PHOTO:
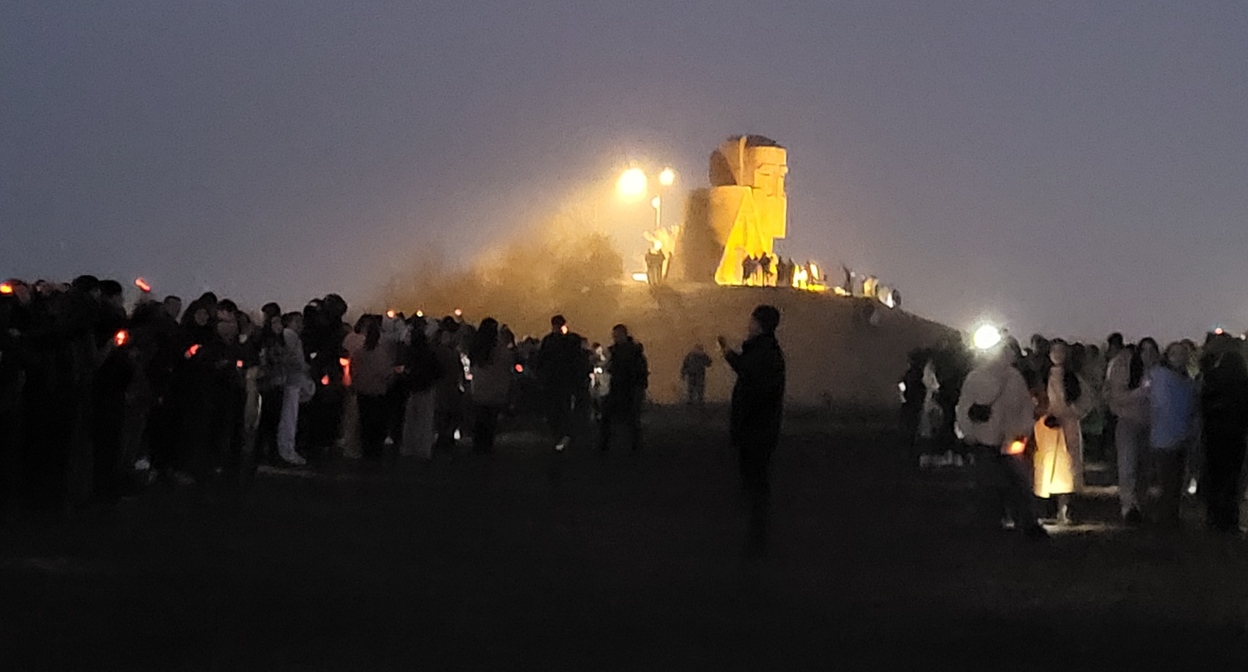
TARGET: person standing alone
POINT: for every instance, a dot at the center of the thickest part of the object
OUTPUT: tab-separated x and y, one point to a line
757	411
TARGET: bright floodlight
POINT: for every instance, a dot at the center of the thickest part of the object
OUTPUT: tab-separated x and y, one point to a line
632	183
986	337
668	177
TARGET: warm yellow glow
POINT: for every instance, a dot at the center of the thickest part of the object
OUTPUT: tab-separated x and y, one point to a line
656	245
420	313
121	337
814	272
459	313
632	183
668	177
986	337
1016	448
656	202
390	314
6	288
641	277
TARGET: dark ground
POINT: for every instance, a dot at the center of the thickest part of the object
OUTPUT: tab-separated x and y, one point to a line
532	560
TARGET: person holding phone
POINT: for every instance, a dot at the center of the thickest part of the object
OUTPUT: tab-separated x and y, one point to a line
757	411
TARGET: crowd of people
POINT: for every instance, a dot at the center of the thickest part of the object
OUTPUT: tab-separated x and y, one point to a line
1172	420
98	402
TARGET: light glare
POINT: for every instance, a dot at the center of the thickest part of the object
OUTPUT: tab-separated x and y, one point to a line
632	183
986	337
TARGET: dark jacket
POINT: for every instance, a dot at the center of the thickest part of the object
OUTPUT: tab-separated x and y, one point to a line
1224	398
562	364
758	396
630	372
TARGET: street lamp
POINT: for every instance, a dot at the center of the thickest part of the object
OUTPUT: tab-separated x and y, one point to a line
667	177
632	183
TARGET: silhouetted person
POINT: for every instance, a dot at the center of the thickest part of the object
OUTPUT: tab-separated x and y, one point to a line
765	266
173	306
563	369
757	411
693	372
1224	409
914	394
748	267
630	376
491	365
654	267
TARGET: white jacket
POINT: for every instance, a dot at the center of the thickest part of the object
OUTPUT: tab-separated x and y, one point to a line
1013	413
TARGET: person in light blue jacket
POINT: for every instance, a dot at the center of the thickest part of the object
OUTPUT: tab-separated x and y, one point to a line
1173	414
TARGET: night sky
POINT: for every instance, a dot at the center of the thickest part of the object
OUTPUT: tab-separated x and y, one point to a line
1072	167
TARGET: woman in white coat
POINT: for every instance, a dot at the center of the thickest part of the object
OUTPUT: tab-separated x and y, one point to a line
1128	399
1063	401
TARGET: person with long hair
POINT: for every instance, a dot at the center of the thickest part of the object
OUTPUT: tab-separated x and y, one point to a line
1127	396
372	375
490	363
1064	400
421	373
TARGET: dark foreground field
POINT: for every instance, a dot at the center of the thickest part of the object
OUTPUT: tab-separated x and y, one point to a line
581	561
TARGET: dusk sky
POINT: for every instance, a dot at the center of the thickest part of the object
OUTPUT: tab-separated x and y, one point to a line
1072	167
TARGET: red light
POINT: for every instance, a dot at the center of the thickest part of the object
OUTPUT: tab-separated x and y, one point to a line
325	379
142	285
519	368
6	288
121	337
190	352
238	364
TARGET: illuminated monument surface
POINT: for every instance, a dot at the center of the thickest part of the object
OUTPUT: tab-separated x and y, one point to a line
740	215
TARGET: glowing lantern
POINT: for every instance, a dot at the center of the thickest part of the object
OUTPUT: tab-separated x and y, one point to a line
325	379
142	285
390	314
121	338
190	352
420	313
459	313
1016	447
6	288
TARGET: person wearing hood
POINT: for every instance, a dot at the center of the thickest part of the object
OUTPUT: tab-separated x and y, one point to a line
757	412
630	376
